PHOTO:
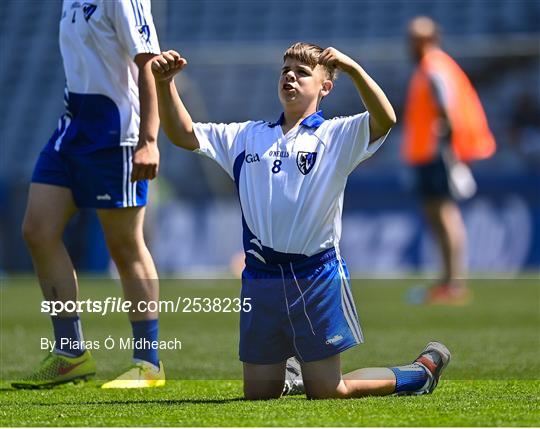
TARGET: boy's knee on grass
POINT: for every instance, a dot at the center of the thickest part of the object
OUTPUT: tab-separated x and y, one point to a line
261	390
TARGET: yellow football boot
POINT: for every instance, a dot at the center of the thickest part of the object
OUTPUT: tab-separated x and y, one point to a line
141	374
57	369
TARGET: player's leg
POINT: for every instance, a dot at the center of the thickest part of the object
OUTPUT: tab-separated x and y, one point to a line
323	378
447	225
444	219
263	381
48	210
101	182
446	222
123	230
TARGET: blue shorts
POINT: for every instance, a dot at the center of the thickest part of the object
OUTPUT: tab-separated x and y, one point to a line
303	309
432	180
99	179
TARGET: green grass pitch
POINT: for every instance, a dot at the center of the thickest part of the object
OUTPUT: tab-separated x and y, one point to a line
493	379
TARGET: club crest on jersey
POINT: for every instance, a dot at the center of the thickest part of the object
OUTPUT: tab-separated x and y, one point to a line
144	31
88	10
305	161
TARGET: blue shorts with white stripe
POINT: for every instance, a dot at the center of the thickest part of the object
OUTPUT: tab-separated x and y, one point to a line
98	179
303	309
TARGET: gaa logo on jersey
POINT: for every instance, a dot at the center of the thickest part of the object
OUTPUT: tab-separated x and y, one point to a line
144	31
252	158
305	161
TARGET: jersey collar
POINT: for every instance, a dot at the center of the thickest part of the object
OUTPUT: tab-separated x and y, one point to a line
312	121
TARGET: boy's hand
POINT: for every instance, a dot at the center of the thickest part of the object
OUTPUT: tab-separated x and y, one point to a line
166	65
145	162
331	57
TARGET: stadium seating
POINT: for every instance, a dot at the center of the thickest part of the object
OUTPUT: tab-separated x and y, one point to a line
241	20
32	80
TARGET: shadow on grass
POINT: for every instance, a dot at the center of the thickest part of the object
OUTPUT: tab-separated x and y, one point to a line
148	401
127	401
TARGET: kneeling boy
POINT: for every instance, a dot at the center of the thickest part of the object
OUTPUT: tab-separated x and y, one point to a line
291	175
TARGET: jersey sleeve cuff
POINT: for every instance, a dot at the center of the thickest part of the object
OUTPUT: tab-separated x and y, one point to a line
139	49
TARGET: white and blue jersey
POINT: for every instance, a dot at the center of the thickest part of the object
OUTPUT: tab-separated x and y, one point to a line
291	193
290	186
92	148
99	41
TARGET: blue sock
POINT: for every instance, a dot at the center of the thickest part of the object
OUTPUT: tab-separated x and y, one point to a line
409	378
68	336
144	332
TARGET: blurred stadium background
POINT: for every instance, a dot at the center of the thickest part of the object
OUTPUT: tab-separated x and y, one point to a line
234	48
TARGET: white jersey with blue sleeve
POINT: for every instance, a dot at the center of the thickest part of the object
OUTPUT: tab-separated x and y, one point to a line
99	40
290	186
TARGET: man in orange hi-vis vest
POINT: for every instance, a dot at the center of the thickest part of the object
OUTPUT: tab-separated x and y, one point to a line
445	128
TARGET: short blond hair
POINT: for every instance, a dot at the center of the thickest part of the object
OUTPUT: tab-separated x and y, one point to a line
309	54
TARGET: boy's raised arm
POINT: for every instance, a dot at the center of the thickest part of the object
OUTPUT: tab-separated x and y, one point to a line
381	112
174	117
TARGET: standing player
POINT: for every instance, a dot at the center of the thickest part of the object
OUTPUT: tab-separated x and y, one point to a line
101	156
444	123
290	176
